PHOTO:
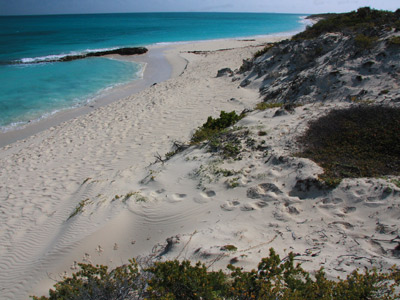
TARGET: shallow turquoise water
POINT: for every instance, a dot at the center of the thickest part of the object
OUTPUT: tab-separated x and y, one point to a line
31	90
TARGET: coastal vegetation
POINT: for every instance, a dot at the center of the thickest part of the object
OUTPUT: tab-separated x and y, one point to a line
365	20
274	279
360	141
215	126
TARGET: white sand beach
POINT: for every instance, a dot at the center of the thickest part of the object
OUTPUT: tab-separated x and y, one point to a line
89	189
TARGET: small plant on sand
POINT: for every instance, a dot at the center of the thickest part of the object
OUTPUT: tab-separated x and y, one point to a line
137	196
215	126
262	133
267	105
232	248
263	51
360	141
233	183
86	180
79	208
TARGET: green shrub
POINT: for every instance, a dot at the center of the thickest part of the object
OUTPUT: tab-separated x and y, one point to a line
181	280
281	279
214	126
275	279
96	282
361	141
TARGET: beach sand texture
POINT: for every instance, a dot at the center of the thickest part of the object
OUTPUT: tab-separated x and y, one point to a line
89	190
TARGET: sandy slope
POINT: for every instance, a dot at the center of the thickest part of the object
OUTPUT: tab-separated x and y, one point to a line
101	167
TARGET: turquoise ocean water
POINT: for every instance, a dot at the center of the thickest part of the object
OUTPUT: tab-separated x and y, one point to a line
31	88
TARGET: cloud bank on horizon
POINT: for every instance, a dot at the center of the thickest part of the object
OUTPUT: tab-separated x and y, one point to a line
29	7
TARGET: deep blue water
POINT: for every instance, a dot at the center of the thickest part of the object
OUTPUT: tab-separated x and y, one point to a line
29	91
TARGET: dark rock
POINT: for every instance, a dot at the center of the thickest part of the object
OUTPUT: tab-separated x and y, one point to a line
225	71
245	83
120	51
246	66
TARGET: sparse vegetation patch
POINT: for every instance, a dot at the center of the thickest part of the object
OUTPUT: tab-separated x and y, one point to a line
79	208
361	141
267	105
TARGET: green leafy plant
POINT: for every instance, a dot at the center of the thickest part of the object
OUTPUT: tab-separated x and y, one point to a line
214	126
96	282
274	279
181	280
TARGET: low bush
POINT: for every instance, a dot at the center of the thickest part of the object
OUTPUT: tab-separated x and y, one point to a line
274	279
361	141
97	283
214	126
181	280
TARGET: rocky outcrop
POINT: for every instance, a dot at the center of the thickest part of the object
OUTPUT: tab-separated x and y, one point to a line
333	66
119	51
225	72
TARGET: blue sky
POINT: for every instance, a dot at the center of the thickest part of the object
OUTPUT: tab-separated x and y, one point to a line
18	7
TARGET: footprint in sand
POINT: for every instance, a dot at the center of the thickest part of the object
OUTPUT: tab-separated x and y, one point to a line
249	207
347	210
74	266
86	258
205	196
264	191
230	205
99	249
178	197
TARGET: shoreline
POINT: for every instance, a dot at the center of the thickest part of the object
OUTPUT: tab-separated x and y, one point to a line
153	60
159	57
